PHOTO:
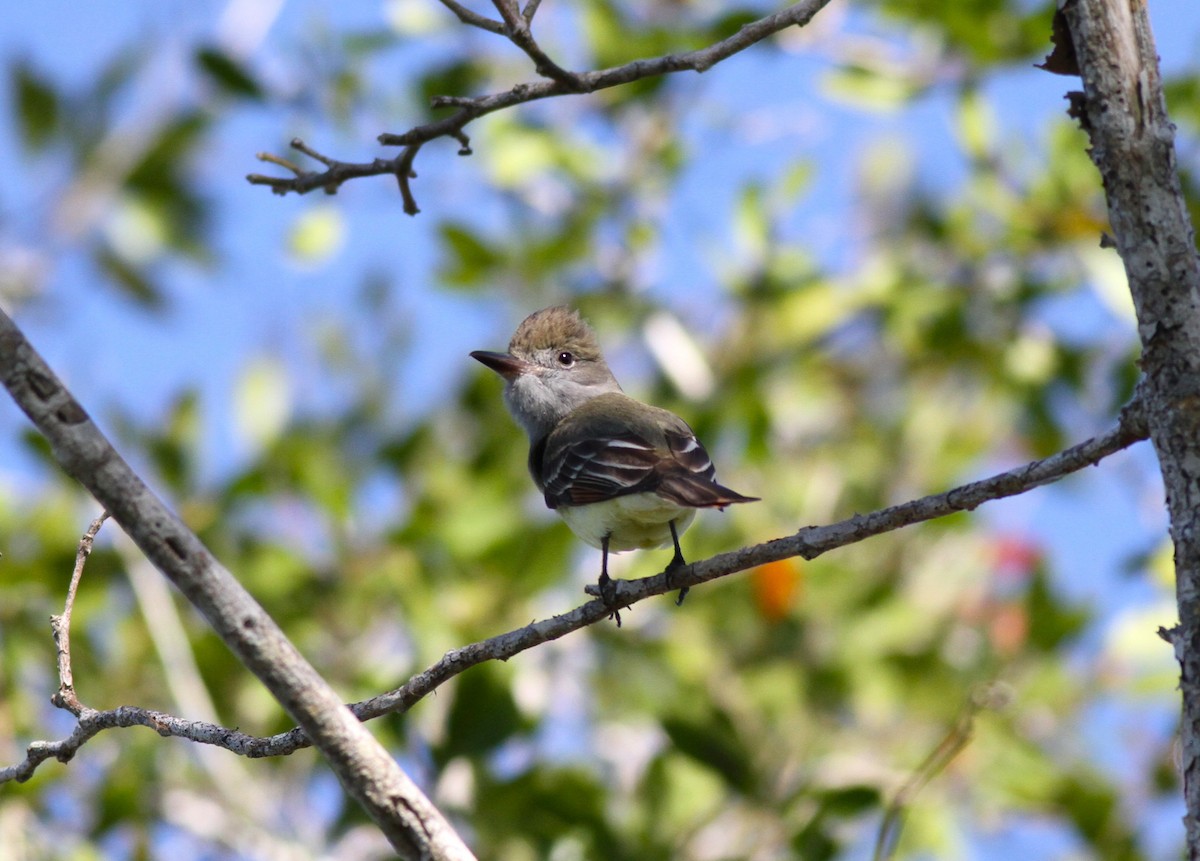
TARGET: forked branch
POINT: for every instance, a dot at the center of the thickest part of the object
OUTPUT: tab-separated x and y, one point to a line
515	27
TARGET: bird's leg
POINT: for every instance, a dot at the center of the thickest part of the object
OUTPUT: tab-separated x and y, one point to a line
676	563
608	586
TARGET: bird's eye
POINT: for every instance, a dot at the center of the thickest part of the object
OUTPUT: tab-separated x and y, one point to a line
566	359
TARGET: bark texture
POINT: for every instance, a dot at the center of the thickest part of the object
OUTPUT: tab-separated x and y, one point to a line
1133	144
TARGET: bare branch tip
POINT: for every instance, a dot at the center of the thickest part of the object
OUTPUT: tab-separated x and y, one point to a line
410	202
530	10
270	158
473	19
464	141
312	153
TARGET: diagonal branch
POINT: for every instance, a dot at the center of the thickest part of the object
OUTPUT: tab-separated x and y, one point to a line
809	542
952	744
366	770
561	83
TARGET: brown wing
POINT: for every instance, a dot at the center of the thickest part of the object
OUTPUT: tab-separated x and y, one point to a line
595	469
690	478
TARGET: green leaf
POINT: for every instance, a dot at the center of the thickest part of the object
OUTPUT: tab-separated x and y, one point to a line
37	105
1094	808
129	279
542	808
483	715
161	182
849	800
228	74
712	741
1051	620
468	259
460	78
174	449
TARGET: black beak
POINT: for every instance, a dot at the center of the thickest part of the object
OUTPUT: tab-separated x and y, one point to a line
502	363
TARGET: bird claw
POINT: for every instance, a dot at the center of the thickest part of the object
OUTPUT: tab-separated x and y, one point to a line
676	565
608	594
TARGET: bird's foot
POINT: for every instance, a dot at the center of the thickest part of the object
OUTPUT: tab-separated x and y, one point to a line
608	594
675	566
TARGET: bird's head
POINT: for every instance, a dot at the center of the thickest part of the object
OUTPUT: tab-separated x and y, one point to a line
553	365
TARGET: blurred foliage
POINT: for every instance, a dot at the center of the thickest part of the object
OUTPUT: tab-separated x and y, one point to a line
775	714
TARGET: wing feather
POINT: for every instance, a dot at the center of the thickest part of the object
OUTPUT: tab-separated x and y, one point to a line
593	470
607	449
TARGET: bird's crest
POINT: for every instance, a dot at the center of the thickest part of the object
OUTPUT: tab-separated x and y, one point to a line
558	327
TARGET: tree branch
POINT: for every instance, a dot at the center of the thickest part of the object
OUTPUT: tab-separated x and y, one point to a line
809	542
516	28
562	83
367	771
1124	113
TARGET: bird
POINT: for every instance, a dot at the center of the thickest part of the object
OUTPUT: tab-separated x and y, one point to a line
622	474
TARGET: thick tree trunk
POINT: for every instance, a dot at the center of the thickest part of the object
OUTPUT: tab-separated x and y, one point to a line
1124	113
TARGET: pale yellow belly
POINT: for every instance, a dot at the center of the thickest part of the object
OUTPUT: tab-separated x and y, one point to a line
639	521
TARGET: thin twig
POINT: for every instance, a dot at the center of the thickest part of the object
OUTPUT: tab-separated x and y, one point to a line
809	542
312	153
472	108
270	158
951	745
60	626
530	10
330	179
472	18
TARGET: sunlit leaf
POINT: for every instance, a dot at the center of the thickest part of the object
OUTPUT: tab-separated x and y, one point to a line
262	401
317	235
865	88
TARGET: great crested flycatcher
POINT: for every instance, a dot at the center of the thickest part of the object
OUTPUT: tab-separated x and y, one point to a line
622	474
